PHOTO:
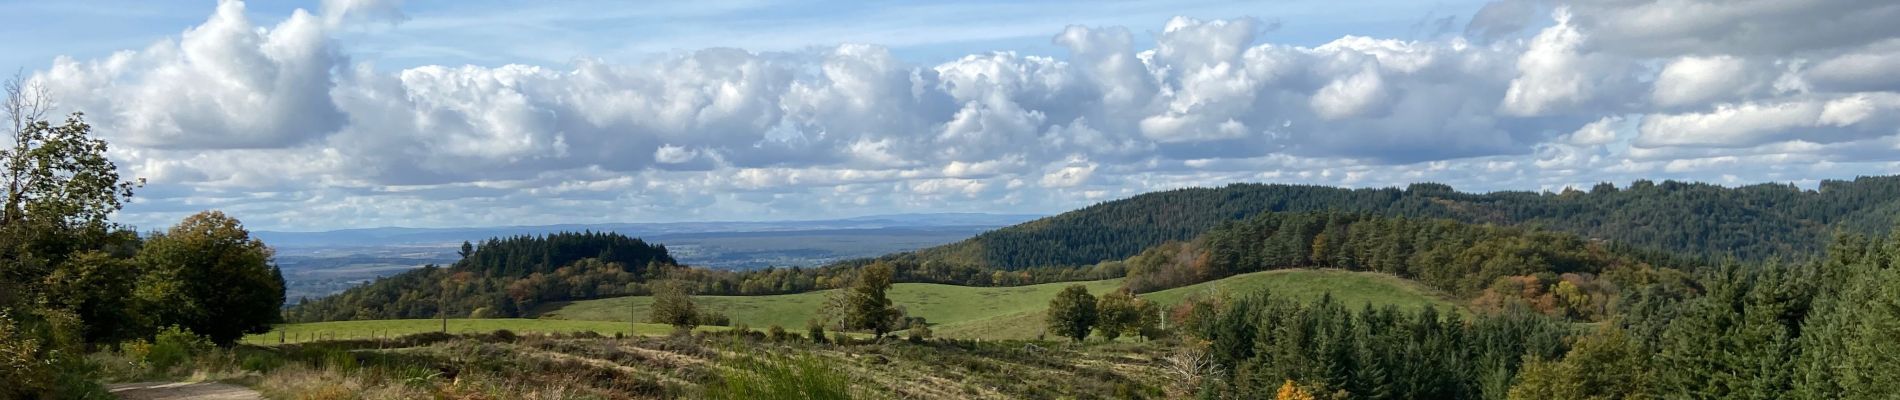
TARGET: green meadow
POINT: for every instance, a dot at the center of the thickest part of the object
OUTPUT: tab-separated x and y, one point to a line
953	311
1353	289
1016	312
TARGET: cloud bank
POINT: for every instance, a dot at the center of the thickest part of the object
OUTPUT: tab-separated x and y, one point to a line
280	126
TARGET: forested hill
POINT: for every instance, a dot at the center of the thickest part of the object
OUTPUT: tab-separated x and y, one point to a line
501	277
523	255
1696	219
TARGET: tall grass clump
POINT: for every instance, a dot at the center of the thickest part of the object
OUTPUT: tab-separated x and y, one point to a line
803	376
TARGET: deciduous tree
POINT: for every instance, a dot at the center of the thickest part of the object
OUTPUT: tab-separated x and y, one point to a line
1072	313
867	305
1116	314
208	275
673	305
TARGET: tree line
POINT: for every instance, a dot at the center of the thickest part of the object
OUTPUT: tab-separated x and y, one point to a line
1554	272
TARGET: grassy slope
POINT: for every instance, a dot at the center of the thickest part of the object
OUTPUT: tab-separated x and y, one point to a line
1016	312
940	304
955	311
397	327
1351	288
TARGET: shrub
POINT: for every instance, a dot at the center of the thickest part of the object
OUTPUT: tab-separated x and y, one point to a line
174	346
777	333
816	331
138	350
919	332
261	361
503	335
20	366
713	318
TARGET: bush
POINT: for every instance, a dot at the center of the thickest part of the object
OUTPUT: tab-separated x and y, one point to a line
138	350
919	332
816	331
711	318
175	346
777	333
261	361
503	335
20	366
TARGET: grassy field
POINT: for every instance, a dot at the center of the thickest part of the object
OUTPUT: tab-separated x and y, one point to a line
940	304
1351	288
954	311
298	333
1016	312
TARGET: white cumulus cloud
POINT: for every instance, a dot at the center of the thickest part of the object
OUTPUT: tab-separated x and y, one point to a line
279	121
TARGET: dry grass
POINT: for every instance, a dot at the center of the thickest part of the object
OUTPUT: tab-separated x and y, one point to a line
683	366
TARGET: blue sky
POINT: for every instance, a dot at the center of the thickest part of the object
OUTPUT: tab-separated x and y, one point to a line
495	33
359	113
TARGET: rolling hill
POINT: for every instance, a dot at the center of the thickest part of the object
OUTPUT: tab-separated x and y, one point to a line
1016	312
1696	219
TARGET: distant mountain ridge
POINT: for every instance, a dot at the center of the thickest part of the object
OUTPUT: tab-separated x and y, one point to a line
402	235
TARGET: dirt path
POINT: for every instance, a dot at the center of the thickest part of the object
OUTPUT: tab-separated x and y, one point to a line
182	390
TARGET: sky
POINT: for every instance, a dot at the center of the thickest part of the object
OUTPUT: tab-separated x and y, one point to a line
367	113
